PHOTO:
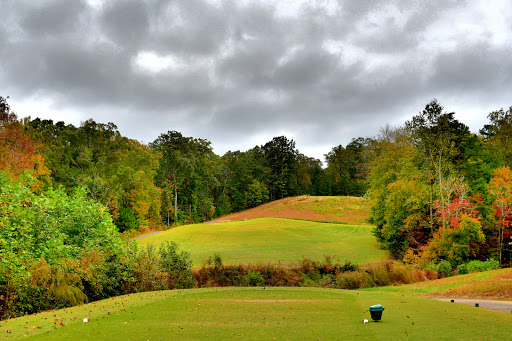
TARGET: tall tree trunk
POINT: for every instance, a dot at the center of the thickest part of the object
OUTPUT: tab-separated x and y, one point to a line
175	195
441	183
431	203
502	227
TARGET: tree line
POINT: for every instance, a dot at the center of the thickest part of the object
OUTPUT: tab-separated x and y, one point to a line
174	179
441	193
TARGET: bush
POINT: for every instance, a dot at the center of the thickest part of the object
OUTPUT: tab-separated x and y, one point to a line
311	278
479	266
353	280
491	264
143	273
462	268
253	279
445	268
348	266
49	246
178	266
379	273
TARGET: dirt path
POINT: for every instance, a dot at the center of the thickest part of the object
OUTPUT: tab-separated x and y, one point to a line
157	232
228	217
489	304
146	235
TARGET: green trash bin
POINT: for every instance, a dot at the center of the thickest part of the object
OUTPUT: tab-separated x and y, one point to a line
376	311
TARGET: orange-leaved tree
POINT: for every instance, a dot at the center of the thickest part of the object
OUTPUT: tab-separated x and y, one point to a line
453	242
18	151
500	189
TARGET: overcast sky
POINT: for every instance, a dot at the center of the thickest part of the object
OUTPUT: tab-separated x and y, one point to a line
241	72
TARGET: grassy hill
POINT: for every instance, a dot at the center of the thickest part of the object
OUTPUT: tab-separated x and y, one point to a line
263	314
266	240
494	284
349	210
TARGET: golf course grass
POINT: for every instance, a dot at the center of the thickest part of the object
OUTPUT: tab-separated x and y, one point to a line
267	240
263	314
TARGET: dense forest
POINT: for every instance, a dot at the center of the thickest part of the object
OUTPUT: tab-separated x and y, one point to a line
438	190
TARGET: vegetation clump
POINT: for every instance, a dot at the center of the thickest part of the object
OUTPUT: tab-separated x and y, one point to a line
309	273
59	250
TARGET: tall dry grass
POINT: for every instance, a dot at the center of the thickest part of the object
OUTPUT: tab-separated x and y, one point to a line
311	273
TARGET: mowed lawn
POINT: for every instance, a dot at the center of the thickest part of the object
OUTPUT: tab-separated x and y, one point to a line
263	314
266	240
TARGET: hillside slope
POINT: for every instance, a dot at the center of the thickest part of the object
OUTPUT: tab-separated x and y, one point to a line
341	209
495	284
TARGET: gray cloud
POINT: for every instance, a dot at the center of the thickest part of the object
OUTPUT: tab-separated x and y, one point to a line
190	27
240	71
474	66
126	23
53	18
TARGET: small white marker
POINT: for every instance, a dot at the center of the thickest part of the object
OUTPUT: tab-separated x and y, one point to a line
86	320
365	321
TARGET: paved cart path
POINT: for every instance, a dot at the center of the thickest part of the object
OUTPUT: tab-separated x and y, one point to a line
489	304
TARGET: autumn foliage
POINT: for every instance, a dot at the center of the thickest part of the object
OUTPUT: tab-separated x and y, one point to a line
18	151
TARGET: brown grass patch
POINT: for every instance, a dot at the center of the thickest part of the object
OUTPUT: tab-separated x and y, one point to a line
497	287
349	210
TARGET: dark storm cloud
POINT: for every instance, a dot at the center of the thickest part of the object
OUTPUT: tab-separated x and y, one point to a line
239	71
194	27
53	18
126	22
306	70
473	66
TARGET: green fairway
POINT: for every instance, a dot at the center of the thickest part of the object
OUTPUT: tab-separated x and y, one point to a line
263	314
273	239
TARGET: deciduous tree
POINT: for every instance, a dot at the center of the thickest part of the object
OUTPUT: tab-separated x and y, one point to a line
500	189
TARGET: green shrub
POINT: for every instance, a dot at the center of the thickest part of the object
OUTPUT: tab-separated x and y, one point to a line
349	266
491	264
445	268
328	281
253	279
61	247
479	266
177	265
475	266
463	269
